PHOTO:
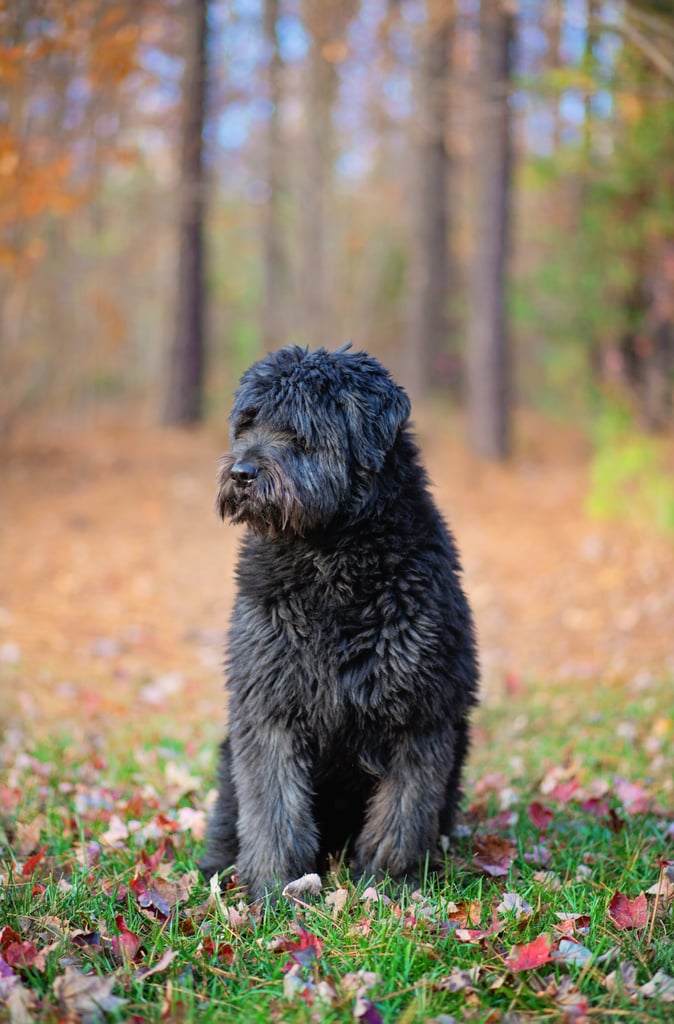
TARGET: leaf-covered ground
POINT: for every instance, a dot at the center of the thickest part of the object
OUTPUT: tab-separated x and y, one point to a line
558	899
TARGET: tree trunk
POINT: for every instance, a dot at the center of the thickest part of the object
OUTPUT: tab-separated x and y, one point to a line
488	348
320	94
428	317
184	396
272	300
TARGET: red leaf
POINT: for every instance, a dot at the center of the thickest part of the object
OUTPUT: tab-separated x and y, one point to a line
530	955
494	855
222	950
597	805
304	951
564	791
21	955
476	935
9	798
626	913
540	815
127	944
149	899
634	799
162	821
152	860
32	862
8	936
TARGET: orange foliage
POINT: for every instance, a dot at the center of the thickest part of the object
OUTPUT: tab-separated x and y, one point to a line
43	171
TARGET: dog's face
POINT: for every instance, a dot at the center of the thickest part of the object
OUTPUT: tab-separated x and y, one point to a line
309	433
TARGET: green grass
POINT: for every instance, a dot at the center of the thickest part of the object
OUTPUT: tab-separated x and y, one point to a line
86	902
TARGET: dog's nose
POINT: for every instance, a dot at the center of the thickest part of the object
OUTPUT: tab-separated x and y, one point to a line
243	472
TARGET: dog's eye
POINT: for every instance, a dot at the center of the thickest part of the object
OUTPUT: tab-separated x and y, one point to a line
303	444
245	421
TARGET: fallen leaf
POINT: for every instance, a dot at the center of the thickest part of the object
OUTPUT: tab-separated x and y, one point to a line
512	902
165	959
154	896
126	945
623	979
531	954
464	913
116	834
23	955
8	979
220	950
8	936
571	923
458	980
304	950
87	996
633	798
337	900
661	986
626	913
20	1003
571	952
477	935
371	894
28	835
548	879
494	855
192	820
540	815
32	862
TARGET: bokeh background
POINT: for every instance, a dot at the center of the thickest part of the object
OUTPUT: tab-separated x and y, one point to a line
479	193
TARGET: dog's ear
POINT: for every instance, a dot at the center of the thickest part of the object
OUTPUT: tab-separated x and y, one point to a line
375	418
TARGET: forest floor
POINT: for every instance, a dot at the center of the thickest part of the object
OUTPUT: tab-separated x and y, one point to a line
116	578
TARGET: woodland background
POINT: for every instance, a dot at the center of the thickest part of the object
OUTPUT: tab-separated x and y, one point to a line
482	194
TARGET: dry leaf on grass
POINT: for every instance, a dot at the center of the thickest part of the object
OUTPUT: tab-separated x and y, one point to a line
87	996
530	954
626	913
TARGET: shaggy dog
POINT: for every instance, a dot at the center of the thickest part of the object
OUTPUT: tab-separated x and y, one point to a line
352	665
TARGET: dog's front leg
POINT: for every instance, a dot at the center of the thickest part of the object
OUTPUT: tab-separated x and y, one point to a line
402	818
278	839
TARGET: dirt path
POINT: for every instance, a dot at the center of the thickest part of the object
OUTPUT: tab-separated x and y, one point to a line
116	577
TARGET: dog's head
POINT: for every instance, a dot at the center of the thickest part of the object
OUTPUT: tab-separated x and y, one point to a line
310	431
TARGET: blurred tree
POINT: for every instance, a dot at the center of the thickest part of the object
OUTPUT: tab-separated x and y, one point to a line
272	300
326	22
183	402
488	346
429	278
66	72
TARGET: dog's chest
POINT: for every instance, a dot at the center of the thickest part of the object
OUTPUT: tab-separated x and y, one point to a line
323	641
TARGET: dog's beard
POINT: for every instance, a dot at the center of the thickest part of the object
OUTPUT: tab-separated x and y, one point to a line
269	505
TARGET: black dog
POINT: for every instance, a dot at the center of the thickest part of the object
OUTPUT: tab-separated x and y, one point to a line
352	665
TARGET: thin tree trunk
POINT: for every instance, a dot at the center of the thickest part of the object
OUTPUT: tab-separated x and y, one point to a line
488	348
272	302
428	320
555	15
320	94
184	396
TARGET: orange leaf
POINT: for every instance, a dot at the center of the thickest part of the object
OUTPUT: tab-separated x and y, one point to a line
531	954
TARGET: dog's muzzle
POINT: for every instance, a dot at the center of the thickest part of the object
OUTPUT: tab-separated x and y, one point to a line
243	473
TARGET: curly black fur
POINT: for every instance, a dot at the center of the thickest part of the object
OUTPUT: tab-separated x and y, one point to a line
352	663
